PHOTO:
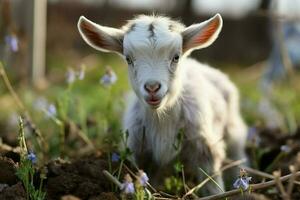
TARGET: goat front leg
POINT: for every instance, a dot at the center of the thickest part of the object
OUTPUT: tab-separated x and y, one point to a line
198	153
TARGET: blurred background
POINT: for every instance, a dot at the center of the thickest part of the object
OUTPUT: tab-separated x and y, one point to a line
64	87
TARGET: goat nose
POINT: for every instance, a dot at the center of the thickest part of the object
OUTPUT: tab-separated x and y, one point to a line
152	86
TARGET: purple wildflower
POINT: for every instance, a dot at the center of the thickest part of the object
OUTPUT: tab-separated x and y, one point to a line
71	76
127	186
243	180
143	178
32	157
109	77
81	73
115	157
285	148
12	42
51	111
42	104
242	183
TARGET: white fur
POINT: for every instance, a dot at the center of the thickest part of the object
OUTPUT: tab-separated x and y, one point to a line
194	97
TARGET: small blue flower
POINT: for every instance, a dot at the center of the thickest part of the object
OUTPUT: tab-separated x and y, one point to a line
242	182
41	104
115	157
127	186
12	42
71	76
32	157
109	77
81	73
285	148
143	178
51	111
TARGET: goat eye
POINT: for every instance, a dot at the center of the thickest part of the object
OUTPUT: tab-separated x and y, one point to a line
129	61
175	58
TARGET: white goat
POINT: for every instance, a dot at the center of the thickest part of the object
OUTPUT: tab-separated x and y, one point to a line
173	92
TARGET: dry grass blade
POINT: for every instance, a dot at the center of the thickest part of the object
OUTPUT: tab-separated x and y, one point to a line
211	179
230	165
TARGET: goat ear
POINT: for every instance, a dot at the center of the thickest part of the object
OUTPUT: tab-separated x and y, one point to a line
99	37
201	35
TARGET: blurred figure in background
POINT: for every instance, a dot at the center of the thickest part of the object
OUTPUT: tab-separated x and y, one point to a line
285	55
286	39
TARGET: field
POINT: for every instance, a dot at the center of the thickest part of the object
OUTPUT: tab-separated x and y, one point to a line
62	102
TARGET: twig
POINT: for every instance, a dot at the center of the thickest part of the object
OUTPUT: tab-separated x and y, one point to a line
292	180
279	184
82	135
254	171
293	169
192	194
168	195
10	88
165	198
259	173
253	188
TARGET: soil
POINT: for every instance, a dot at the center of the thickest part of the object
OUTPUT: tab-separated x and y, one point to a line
14	192
80	179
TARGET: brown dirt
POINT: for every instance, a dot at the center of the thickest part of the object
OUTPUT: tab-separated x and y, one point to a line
15	192
8	171
81	179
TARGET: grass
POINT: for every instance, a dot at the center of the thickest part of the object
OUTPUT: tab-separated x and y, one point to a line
88	101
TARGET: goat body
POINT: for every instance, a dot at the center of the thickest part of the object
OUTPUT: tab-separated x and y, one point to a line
173	92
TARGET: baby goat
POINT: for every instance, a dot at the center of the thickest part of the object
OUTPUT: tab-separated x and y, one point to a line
173	92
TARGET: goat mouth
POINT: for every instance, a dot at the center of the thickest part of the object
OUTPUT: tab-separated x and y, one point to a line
153	102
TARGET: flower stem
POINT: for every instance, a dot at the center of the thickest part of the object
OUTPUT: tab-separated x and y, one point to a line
42	144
